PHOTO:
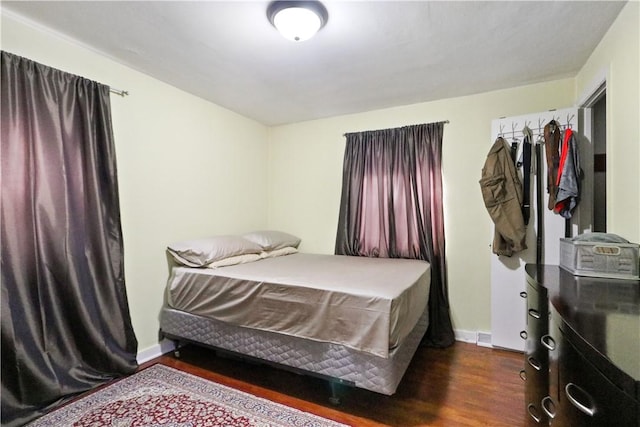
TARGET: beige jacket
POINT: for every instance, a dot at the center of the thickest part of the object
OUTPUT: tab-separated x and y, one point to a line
502	194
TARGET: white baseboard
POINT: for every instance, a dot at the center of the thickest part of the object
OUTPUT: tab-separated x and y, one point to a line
466	336
164	346
482	339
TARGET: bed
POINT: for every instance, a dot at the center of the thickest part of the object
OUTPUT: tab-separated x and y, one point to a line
351	320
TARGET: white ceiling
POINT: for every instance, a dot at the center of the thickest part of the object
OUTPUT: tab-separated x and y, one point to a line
370	55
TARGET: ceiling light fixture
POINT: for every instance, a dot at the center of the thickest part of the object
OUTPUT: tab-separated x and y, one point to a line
297	20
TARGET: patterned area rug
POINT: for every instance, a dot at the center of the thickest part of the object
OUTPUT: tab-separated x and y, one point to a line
160	396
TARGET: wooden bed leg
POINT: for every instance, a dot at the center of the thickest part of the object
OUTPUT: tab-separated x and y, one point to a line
176	349
176	343
334	399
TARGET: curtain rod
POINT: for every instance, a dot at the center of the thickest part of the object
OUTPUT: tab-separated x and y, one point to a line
120	92
442	121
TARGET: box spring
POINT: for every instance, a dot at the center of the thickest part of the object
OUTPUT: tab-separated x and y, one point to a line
337	362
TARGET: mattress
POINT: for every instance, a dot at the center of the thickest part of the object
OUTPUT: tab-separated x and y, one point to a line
366	304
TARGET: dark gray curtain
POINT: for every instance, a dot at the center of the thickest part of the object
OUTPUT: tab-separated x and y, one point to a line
65	319
392	207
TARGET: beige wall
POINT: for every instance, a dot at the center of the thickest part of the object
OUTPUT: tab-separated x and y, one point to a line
305	173
305	163
186	167
189	168
617	59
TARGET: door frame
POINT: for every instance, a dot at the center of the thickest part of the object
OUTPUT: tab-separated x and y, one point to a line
588	99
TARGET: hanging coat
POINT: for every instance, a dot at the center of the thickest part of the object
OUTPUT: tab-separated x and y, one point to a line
569	174
526	174
551	148
502	194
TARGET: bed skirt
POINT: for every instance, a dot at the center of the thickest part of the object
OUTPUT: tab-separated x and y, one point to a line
333	361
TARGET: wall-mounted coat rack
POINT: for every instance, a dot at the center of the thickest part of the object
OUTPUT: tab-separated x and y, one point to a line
507	307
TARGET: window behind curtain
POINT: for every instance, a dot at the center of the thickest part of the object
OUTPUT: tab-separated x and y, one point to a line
384	216
391	207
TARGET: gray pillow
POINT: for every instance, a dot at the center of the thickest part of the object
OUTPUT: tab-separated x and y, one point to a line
201	252
270	240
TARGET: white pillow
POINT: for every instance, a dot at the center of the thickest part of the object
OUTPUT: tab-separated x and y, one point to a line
234	260
272	239
287	250
201	252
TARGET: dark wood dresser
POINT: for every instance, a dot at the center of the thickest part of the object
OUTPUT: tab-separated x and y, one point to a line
582	352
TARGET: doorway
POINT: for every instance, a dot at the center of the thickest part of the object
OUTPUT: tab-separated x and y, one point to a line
592	210
599	141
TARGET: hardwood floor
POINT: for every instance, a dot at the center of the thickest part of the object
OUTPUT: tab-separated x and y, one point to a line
463	385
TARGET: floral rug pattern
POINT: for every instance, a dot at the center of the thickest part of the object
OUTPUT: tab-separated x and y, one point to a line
160	396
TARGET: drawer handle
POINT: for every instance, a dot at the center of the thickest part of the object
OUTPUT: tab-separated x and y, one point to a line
548	342
523	335
533	412
548	407
523	294
534	363
523	375
589	408
534	313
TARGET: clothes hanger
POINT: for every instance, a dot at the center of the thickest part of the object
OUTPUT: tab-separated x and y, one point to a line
540	134
513	132
526	131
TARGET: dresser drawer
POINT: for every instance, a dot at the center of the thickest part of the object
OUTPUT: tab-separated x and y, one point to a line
585	397
536	365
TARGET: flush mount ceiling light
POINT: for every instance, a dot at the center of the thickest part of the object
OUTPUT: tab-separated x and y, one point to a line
297	20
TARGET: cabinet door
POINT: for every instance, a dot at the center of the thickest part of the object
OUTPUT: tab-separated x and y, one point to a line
507	272
586	398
